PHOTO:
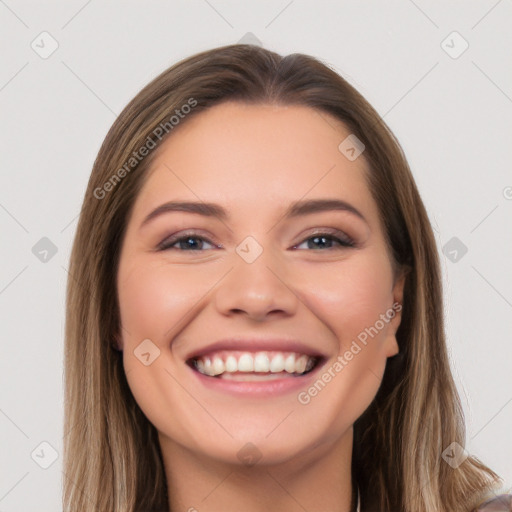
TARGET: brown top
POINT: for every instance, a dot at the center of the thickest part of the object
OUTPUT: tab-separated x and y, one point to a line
501	503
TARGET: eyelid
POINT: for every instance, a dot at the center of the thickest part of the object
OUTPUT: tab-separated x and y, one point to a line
192	233
335	233
327	231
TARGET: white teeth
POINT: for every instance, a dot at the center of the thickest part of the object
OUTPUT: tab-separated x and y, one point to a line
300	364
231	364
246	363
262	362
277	363
218	366
289	363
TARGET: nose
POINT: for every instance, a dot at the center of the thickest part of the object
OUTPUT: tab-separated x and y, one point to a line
257	290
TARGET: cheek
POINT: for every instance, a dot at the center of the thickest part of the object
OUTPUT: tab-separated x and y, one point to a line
351	296
340	394
155	302
350	301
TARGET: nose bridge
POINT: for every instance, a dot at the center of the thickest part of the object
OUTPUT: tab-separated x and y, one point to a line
257	283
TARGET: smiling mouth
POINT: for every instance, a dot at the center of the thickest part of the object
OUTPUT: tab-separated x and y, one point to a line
247	366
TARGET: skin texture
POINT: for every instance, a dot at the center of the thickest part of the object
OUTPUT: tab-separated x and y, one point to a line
254	160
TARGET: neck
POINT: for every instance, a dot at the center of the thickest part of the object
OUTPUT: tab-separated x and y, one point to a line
318	479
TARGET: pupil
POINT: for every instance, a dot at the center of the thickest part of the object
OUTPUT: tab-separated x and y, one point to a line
191	243
317	238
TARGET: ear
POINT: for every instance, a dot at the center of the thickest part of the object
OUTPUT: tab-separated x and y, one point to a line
395	314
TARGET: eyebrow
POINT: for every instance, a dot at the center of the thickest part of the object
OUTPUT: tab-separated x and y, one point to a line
296	209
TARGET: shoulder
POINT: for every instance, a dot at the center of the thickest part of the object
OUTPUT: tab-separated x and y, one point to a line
500	503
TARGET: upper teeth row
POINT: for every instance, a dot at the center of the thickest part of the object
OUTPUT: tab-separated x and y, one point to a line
260	362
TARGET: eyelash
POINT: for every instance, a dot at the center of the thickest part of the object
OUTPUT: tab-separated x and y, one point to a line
343	240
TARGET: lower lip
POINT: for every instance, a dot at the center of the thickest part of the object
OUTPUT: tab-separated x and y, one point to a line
261	388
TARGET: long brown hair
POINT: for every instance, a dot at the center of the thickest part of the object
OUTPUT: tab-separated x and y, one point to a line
112	458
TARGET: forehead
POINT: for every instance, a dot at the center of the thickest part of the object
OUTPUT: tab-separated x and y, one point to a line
253	156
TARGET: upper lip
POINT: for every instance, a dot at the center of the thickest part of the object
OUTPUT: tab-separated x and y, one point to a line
248	344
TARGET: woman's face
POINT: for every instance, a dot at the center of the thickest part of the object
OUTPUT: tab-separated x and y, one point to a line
227	301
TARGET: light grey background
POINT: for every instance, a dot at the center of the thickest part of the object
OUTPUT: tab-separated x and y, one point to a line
452	116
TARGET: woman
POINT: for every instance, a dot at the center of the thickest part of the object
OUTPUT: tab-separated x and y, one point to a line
254	315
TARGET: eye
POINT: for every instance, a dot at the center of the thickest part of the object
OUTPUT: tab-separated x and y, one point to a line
196	243
187	242
325	240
